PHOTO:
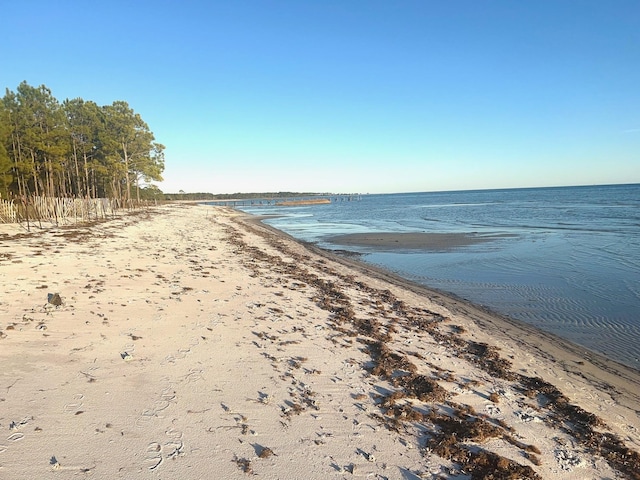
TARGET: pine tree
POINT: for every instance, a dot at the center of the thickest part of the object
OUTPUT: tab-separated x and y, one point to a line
76	148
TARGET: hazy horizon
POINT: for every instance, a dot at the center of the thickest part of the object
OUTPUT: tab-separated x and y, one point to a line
403	193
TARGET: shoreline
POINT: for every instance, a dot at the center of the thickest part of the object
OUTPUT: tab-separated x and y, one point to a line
195	339
361	244
567	354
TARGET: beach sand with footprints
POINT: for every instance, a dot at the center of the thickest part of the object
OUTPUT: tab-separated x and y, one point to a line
193	342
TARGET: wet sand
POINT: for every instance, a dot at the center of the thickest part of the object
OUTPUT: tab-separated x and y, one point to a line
622	380
194	341
412	240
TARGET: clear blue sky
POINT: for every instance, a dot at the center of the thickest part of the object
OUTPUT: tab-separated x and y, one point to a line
352	96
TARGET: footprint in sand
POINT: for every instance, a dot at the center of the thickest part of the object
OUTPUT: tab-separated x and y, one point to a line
168	394
568	460
14	437
179	355
156	453
167	397
193	376
153	457
145	418
169	359
160	405
586	393
493	410
182	353
127	352
75	404
527	417
174	448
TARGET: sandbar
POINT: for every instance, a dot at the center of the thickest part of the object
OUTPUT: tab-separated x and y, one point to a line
412	240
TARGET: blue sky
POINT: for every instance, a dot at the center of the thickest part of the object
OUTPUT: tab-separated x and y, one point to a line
352	96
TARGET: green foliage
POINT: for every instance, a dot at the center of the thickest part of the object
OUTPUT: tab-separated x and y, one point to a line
151	192
189	196
76	148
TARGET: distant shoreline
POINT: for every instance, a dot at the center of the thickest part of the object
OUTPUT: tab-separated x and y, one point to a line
293	203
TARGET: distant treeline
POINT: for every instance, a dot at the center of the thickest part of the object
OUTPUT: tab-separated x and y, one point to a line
235	196
75	148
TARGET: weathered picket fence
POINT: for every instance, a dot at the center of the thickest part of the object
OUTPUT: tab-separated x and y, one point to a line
8	213
61	211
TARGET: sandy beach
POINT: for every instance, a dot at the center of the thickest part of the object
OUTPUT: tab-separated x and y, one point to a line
194	342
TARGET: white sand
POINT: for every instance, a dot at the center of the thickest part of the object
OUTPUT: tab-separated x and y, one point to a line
191	346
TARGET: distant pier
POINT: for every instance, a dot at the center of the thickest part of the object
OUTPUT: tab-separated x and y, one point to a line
286	201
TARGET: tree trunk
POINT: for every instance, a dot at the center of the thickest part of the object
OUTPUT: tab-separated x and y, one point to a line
78	187
51	189
35	174
126	168
86	175
17	156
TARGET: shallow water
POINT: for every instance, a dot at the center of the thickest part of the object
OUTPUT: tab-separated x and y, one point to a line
570	263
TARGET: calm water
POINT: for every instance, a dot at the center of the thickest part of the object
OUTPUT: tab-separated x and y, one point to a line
570	264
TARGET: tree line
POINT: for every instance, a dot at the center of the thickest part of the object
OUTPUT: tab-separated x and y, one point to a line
234	196
74	148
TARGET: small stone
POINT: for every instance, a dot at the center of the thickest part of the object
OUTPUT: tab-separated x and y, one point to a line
54	299
266	452
126	356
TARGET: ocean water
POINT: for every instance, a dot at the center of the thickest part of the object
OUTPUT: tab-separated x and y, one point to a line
569	262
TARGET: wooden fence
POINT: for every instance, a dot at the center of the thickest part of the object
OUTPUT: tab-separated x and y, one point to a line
60	211
8	213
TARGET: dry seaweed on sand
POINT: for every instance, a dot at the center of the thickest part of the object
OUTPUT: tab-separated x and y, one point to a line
448	441
386	362
488	358
403	375
421	387
244	464
581	425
